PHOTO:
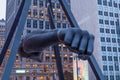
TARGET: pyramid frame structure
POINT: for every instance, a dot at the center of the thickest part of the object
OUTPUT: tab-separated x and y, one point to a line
17	28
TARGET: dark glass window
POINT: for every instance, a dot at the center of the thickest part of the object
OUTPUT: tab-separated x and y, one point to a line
108	39
28	23
110	3
102	39
105	2
35	2
57	5
111	69
113	40
112	77
118	49
104	58
111	14
100	12
41	24
117	77
107	31
116	14
115	58
46	25
100	21
108	48
104	67
101	30
34	23
115	4
58	25
64	25
112	31
114	49
105	13
109	58
40	3
100	2
106	22
111	22
103	48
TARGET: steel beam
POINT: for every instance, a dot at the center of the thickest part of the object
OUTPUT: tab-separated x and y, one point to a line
56	49
20	27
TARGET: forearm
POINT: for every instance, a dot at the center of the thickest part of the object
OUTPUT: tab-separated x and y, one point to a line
36	41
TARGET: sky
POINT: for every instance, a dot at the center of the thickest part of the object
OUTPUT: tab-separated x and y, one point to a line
2	9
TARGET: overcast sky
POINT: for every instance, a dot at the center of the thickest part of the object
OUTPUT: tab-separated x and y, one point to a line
2	9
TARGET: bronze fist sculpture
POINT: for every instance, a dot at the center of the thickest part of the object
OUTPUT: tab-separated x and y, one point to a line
78	41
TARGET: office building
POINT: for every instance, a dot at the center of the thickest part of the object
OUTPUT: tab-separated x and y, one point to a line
2	33
37	18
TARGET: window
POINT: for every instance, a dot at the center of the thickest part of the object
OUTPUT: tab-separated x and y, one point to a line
111	69
113	40
115	58
112	31
47	25
100	2
58	25
40	3
107	31
34	23
35	13
108	48
105	67
111	14
35	2
111	77
100	21
57	5
111	22
28	23
108	39
101	30
110	3
109	58
102	39
103	48
105	2
117	77
115	4
100	12
114	49
64	25
106	22
41	24
105	13
116	14
104	58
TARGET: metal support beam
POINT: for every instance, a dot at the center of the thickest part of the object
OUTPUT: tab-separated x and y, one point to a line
20	27
11	32
92	61
56	50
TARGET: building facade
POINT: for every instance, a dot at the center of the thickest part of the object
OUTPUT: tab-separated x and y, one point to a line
37	18
101	17
2	33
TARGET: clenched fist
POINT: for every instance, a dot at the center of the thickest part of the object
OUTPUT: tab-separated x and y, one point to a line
78	41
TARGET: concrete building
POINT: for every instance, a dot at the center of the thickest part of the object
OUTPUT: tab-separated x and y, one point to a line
26	69
2	33
101	17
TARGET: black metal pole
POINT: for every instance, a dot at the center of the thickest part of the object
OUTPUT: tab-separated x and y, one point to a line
56	50
11	32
